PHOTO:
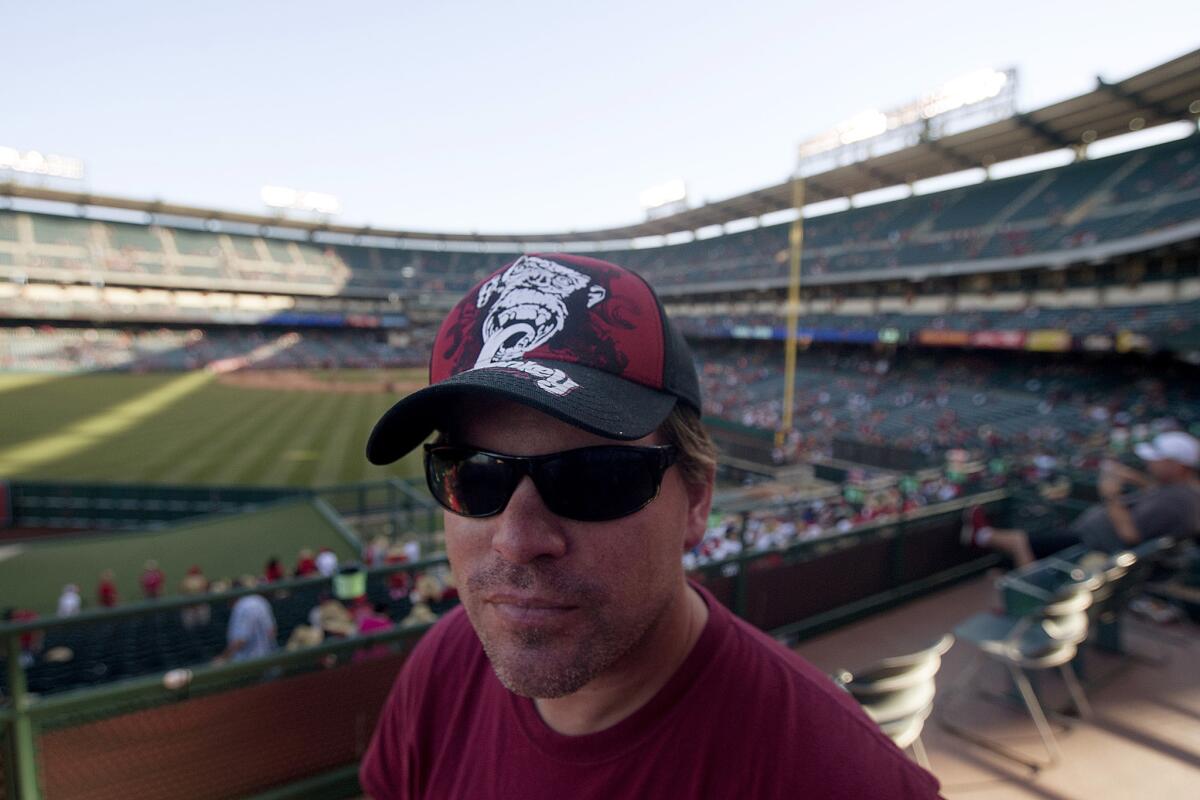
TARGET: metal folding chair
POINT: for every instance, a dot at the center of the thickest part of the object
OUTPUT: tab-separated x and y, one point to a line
1046	638
897	693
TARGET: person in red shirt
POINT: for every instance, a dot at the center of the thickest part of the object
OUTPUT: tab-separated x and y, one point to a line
106	590
582	663
306	564
274	571
375	619
31	641
152	580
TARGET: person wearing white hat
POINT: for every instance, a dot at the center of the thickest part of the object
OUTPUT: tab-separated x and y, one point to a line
1168	504
69	601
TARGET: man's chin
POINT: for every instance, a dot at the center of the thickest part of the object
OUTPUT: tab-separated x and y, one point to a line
540	681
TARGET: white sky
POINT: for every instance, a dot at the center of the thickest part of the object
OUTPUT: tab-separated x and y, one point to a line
520	116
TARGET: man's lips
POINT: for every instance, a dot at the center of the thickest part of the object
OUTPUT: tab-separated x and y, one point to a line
528	609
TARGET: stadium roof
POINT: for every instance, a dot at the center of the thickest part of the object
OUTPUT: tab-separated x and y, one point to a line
1166	93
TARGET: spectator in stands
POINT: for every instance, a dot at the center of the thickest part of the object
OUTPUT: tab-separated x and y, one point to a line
305	565
251	632
1167	505
152	580
31	641
575	477
412	549
69	602
376	552
331	617
274	570
327	562
106	590
194	583
376	620
400	581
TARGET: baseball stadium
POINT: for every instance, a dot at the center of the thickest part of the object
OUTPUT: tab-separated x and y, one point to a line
907	342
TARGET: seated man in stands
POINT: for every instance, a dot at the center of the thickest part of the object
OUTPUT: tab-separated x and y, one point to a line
251	632
1167	505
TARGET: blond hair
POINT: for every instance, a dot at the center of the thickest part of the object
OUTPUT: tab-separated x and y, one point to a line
684	429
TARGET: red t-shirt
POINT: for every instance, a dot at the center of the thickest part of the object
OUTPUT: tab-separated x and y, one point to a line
742	717
152	582
107	593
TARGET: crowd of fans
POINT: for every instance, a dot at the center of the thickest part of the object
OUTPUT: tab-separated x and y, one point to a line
1020	407
784	521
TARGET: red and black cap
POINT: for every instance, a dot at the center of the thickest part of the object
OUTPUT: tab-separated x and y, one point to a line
580	339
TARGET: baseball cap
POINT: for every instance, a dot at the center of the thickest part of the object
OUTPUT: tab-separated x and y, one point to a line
574	337
1174	446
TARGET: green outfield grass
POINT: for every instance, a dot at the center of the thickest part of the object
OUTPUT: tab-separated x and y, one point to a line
225	547
190	429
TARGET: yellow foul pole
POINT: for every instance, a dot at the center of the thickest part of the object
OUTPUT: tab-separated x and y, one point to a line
795	249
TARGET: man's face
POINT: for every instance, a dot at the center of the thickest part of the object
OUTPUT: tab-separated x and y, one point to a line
1166	471
557	602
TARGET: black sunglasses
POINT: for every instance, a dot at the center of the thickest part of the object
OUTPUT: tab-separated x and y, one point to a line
589	484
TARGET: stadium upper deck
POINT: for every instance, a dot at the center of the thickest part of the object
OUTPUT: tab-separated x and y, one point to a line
1085	211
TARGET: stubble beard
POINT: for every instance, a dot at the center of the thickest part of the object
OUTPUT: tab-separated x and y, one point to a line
545	663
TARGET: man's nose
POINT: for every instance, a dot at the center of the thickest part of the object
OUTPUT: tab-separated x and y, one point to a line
526	529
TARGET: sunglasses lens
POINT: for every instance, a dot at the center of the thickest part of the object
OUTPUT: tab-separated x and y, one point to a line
467	482
599	483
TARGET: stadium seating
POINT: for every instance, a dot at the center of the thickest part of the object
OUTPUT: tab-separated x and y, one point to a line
928	401
1111	198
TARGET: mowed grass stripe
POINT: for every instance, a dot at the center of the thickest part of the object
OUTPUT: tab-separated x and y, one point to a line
298	461
229	423
355	466
11	382
158	451
245	413
33	411
205	437
353	462
272	440
97	429
345	441
140	454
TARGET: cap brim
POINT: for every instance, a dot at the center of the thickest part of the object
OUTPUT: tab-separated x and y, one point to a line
603	404
1146	452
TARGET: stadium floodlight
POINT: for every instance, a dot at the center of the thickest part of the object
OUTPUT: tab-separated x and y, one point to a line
970	100
864	125
34	162
664	198
965	90
286	199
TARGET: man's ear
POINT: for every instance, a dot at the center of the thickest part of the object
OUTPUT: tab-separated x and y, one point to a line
699	504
